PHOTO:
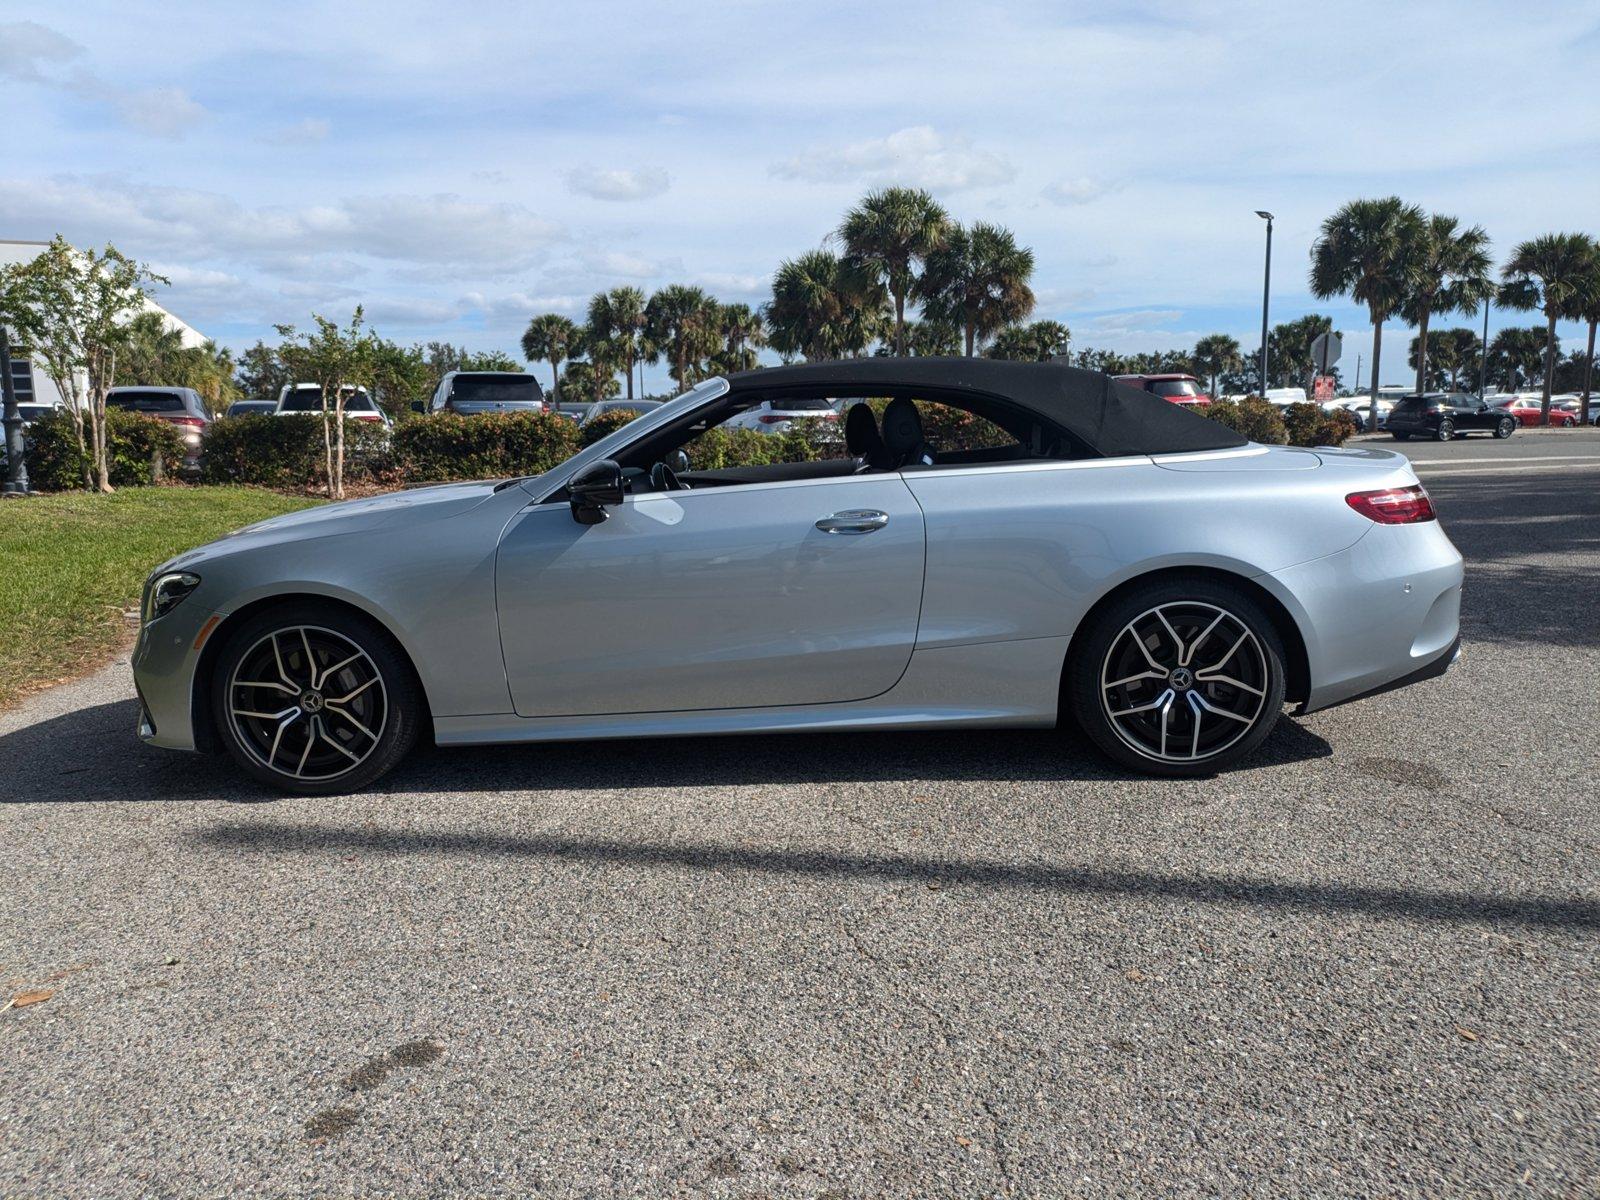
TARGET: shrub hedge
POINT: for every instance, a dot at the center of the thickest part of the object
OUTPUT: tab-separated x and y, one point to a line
287	452
1309	425
1258	419
445	445
133	440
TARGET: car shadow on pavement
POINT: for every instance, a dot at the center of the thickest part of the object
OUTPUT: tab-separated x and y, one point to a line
1233	891
93	755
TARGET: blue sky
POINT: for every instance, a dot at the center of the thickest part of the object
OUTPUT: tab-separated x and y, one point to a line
459	168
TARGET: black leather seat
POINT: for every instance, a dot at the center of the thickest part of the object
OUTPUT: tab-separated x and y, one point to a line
902	435
862	439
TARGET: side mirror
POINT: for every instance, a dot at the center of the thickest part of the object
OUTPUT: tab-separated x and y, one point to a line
678	460
594	487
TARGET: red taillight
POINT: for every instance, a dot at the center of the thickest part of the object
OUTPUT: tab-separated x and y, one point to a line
1394	506
772	418
189	422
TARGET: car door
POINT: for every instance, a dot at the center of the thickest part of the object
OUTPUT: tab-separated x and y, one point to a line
783	593
1469	414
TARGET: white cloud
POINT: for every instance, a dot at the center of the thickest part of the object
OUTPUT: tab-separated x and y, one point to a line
1075	191
25	45
919	156
618	184
159	112
301	133
628	266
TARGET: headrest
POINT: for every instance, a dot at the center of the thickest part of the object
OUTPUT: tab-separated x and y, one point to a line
902	430
861	435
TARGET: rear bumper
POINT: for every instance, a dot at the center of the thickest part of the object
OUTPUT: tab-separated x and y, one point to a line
1431	669
1381	614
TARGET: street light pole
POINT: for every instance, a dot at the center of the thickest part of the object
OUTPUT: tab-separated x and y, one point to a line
1266	293
16	483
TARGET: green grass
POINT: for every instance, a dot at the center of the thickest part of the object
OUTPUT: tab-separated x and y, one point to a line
72	564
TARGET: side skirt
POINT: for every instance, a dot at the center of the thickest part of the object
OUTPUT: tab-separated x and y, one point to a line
1003	684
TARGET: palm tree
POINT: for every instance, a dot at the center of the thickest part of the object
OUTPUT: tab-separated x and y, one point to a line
1038	342
978	279
1449	353
552	339
1515	356
1553	269
1367	251
1289	349
887	233
1216	355
743	333
618	316
823	307
1585	307
1451	274
682	320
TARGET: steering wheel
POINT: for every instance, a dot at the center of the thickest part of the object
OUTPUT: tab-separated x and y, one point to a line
664	479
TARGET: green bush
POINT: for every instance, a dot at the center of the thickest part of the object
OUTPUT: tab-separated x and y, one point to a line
445	445
1310	425
605	424
133	440
1257	419
288	453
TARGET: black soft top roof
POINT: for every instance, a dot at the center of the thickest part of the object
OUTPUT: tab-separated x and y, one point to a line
1112	419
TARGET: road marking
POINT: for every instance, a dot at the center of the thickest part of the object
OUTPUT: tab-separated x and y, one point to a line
1538	458
1592	465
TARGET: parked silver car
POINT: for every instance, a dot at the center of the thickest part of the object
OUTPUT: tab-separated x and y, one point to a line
1102	554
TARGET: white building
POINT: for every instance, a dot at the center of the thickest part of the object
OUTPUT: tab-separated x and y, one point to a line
32	383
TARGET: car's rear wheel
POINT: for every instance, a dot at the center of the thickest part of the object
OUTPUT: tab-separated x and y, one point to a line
314	699
1446	430
1505	428
1180	677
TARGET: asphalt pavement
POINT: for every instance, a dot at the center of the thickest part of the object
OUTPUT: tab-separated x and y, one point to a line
959	964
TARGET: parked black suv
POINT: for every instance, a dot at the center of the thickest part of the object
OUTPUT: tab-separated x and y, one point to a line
1445	415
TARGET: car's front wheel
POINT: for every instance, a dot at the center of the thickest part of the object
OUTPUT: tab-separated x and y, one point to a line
1181	677
1446	430
1505	428
315	699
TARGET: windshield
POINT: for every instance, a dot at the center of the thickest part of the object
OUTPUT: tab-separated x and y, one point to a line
487	391
309	399
146	402
1174	387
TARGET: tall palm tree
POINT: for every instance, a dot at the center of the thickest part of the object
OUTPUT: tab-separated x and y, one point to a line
1553	267
1450	353
888	233
1515	356
743	333
978	279
1451	273
1366	250
618	316
1216	355
1585	307
551	338
823	307
1038	342
682	320
1289	349
933	339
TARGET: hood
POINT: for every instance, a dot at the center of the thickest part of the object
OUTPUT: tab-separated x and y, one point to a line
404	509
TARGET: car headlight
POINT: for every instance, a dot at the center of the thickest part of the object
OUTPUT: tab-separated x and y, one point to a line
166	592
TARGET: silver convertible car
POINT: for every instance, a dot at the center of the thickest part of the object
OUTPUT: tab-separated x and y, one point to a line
995	544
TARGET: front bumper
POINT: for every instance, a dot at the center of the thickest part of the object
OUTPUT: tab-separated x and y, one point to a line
164	662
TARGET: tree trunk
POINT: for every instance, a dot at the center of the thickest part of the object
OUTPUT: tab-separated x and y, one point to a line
338	449
1422	352
555	376
1549	365
1588	372
1377	357
899	323
972	338
630	374
327	446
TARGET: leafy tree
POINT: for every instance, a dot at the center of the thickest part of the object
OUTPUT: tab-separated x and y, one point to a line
1368	250
1554	268
1216	355
977	280
1452	354
619	316
550	338
154	356
1039	342
1289	349
1450	274
337	360
72	310
931	339
683	322
824	307
489	360
402	376
261	373
888	234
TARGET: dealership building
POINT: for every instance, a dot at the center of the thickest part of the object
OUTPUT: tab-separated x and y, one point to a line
32	381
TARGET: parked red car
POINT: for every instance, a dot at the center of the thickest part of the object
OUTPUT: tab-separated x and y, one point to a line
1527	411
1180	389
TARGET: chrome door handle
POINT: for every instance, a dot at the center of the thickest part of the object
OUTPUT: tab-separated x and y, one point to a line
853	520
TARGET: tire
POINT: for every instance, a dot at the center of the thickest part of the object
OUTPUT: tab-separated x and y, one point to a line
1401	437
1446	430
1108	648
266	681
1568	423
1505	428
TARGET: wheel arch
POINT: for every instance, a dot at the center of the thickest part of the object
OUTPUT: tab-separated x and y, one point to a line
1298	664
201	715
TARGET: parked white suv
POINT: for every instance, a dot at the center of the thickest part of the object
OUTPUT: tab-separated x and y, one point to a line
298	399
